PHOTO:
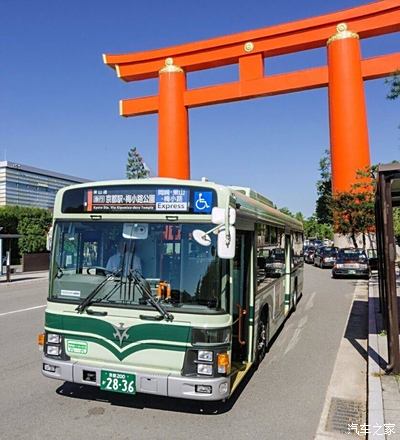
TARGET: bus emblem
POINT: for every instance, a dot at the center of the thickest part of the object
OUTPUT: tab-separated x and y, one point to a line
121	333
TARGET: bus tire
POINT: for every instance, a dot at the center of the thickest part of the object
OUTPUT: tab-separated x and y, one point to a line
295	297
262	338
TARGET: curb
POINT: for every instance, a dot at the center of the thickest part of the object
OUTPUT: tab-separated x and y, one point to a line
374	385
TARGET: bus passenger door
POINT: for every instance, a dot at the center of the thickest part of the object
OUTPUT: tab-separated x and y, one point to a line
241	291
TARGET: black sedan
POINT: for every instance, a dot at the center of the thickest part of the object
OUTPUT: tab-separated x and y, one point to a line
325	256
309	254
351	262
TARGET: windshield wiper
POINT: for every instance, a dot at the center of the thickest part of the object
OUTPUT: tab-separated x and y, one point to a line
89	299
145	290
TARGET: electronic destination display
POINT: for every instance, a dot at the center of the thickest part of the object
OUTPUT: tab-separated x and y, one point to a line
135	198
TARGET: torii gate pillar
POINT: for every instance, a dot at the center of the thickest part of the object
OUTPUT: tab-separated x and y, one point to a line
347	109
173	130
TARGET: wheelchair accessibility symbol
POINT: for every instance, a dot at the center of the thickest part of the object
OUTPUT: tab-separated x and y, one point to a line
202	202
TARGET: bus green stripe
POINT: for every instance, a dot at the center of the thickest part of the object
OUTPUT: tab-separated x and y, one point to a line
122	355
83	324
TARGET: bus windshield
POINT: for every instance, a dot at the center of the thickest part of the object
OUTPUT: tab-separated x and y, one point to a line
182	274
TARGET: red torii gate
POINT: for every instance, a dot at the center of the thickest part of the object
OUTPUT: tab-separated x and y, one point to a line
344	76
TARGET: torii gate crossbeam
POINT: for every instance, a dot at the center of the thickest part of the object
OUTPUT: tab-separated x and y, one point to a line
344	76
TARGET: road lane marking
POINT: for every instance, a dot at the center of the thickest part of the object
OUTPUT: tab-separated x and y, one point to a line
296	336
310	301
22	310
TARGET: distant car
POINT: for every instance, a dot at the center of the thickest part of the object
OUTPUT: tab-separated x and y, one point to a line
351	262
316	243
309	254
325	256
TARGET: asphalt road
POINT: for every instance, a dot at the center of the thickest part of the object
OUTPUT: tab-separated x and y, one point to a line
283	399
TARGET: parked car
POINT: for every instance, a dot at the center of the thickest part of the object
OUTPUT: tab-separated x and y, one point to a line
316	243
309	254
351	262
325	256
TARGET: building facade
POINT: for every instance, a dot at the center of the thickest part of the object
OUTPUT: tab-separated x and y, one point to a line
24	185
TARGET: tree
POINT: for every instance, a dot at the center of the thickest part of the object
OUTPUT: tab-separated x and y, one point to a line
354	210
323	209
135	167
300	217
394	82
33	225
286	211
317	230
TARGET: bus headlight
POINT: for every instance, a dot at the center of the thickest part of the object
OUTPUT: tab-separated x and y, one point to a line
206	369
205	355
53	338
53	350
54	346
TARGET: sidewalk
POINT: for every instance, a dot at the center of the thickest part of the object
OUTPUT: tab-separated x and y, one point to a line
19	277
383	389
345	400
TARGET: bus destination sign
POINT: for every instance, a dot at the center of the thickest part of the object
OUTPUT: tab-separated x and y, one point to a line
139	198
126	199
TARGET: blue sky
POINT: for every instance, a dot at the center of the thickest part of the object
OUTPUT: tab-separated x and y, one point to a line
59	102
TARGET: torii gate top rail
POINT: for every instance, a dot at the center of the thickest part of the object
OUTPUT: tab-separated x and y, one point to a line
248	49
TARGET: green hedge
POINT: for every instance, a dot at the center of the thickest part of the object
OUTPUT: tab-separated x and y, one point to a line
31	223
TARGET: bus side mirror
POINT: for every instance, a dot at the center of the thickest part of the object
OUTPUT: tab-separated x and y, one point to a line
224	219
49	239
226	245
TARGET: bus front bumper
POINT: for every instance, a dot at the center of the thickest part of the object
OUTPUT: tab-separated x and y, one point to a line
151	383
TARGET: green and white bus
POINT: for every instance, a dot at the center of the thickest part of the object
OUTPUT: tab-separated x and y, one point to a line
168	287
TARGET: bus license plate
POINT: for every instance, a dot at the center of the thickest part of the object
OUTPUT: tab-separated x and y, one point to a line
118	382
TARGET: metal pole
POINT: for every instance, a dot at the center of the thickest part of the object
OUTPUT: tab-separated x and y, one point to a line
390	276
1	256
380	247
8	268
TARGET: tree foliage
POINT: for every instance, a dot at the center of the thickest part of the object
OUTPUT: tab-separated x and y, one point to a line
323	209
33	226
135	167
394	83
354	210
314	229
32	223
286	211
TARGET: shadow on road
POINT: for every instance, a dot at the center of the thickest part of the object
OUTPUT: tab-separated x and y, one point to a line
141	401
357	329
16	280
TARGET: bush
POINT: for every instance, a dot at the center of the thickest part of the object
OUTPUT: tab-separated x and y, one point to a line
31	223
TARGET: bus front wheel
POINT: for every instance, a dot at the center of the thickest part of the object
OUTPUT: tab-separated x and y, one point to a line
262	339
